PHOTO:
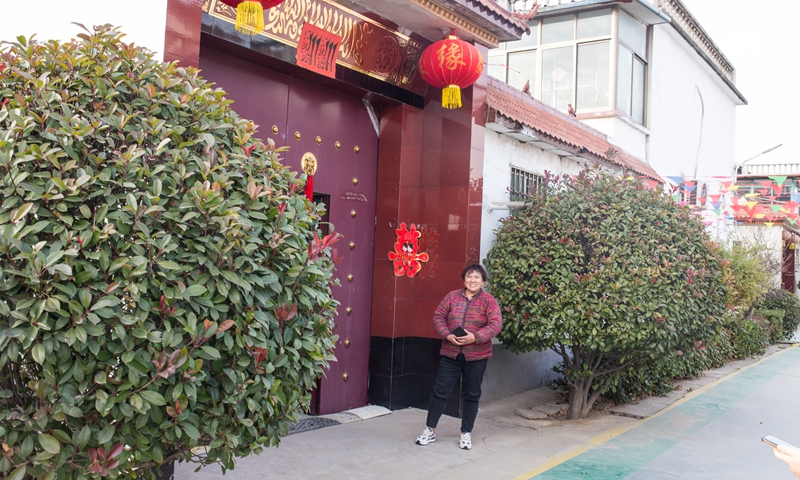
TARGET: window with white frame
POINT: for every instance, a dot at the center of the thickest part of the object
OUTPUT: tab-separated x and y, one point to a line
524	184
631	66
568	60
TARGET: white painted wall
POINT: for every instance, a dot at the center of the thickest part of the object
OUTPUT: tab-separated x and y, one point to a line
143	21
676	74
627	136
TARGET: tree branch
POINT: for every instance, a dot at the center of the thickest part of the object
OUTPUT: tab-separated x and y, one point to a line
612	370
597	363
565	356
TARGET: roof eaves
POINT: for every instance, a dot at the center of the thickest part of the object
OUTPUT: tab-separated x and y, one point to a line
502	14
558	129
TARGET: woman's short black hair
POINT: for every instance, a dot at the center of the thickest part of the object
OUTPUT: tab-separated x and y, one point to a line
473	268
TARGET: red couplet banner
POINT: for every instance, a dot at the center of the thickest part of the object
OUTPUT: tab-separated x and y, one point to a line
317	50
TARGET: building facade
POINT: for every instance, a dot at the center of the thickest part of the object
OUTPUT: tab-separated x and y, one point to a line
388	155
644	72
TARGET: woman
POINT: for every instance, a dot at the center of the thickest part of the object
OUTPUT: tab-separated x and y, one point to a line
467	319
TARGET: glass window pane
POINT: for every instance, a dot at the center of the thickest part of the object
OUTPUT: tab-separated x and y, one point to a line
594	24
557	78
633	33
624	75
521	69
558	29
637	101
531	40
593	75
497	67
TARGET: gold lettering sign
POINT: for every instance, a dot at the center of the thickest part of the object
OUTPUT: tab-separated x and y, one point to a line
367	46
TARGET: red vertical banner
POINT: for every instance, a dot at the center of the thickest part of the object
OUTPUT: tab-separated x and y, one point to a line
318	50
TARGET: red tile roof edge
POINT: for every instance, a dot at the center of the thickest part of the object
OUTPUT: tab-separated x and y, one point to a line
501	13
520	107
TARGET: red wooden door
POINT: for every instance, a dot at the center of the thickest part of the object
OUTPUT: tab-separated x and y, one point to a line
787	268
336	128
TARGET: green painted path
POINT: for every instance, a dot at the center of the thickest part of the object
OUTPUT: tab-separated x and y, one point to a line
713	434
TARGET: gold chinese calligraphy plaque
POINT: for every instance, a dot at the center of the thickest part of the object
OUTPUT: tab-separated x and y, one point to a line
367	46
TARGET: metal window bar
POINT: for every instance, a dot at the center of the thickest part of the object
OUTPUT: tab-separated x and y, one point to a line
524	184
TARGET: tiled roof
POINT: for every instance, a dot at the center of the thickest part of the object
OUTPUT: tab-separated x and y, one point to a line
500	13
548	122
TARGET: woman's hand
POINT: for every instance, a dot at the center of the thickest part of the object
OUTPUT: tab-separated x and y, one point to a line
466	339
790	455
453	339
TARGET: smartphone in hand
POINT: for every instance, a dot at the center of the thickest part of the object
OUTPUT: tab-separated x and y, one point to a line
459	332
775	441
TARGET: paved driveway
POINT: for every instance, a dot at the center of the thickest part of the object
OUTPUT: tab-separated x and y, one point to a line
714	433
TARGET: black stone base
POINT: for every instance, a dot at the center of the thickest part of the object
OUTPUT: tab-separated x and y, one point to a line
402	371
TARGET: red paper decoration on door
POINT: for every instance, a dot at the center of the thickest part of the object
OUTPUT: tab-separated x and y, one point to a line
451	64
405	256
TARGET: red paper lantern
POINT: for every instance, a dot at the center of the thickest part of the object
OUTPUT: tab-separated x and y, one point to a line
451	64
250	14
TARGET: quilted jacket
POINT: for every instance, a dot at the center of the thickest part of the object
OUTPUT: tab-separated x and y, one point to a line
479	315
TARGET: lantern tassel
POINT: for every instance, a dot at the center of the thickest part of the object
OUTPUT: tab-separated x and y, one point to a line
309	190
249	18
451	97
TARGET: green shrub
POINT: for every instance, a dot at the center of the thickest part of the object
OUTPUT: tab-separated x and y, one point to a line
161	283
748	335
656	377
747	274
774	322
779	298
604	272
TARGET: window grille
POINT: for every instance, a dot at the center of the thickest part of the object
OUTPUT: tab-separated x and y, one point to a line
524	184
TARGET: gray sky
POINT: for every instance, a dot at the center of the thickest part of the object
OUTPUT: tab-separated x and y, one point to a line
759	38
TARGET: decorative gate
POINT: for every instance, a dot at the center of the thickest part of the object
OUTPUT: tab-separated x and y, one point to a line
336	128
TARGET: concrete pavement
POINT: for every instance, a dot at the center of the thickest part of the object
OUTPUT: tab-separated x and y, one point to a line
604	446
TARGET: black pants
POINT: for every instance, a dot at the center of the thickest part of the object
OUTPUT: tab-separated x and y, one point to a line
450	370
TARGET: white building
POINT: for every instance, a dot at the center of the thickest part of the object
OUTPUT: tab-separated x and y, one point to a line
643	72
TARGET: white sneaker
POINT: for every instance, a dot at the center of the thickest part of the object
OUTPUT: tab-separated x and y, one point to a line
427	437
466	441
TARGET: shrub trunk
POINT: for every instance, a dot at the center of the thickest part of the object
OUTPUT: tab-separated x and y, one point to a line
581	398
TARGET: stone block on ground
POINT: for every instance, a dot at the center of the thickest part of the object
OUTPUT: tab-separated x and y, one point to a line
642	408
369	411
530	414
550	408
